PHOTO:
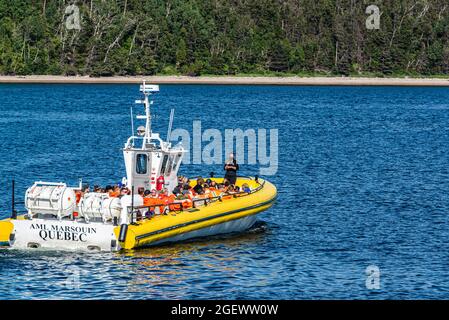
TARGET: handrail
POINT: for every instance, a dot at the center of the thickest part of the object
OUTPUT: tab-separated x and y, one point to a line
205	200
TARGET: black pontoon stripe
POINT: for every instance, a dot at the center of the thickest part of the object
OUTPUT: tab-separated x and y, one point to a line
204	219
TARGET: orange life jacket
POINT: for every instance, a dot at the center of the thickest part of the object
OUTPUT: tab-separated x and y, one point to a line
147	201
169	201
164	200
114	194
187	203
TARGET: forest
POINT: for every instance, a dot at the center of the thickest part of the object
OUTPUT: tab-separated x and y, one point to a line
224	37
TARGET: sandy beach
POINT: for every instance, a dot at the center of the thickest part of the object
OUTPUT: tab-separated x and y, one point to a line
236	80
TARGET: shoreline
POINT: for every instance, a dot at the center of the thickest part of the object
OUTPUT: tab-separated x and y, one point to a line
232	80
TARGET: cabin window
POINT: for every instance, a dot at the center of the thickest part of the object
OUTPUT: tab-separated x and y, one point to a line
164	164
176	161
141	163
170	161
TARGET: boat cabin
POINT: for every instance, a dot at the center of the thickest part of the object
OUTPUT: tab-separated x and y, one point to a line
149	159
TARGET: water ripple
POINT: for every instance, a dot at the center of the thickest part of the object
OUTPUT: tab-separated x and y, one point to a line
363	180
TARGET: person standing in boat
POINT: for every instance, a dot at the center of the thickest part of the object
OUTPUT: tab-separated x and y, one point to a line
231	166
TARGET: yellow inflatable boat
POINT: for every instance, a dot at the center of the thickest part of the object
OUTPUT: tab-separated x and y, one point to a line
209	216
73	218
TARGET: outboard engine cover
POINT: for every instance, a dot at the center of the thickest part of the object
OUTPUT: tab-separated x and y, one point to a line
50	198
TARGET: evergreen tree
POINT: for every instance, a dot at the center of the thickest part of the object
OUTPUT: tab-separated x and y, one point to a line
194	37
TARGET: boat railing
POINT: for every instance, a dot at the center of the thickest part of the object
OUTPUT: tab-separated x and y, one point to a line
177	206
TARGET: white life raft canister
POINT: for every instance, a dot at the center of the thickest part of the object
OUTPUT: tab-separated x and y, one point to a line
50	198
100	206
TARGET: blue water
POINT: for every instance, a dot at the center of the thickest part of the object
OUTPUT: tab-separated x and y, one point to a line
363	180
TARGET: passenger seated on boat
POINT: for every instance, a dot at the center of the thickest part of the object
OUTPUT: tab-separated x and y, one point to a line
175	202
124	191
97	189
107	189
246	188
115	192
80	193
178	189
228	191
185	182
167	200
85	188
213	189
208	193
237	189
187	203
163	200
187	191
146	198
180	195
208	187
151	201
187	197
198	188
141	191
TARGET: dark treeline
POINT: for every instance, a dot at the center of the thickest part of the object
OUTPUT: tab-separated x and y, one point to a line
223	37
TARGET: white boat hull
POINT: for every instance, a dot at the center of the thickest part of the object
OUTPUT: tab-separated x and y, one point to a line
237	225
71	235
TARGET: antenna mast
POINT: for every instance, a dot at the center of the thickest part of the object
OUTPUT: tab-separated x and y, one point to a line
132	122
170	124
147	90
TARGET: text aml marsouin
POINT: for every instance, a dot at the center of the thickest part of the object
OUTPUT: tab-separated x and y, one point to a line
67	233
